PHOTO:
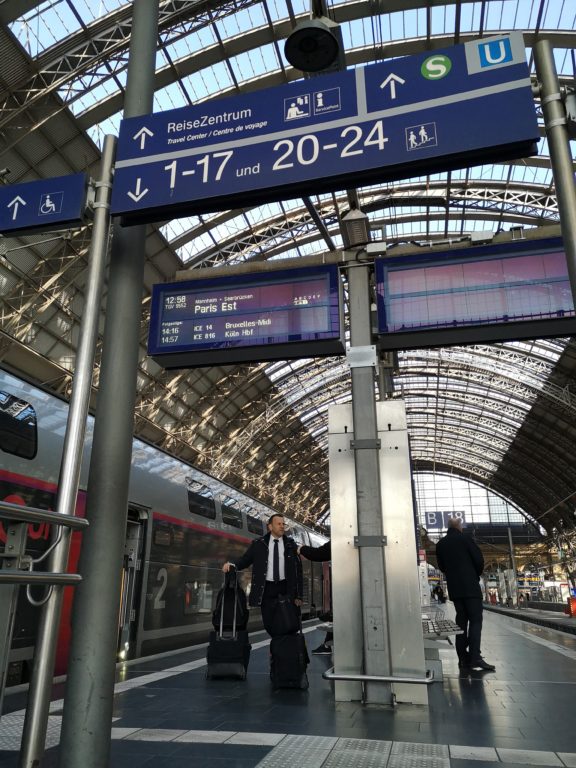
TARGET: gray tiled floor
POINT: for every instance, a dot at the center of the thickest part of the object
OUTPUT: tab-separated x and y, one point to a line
521	715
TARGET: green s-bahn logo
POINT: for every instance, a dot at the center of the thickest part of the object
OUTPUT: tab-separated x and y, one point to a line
436	67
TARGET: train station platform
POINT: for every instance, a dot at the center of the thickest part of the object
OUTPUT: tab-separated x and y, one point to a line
544	618
167	715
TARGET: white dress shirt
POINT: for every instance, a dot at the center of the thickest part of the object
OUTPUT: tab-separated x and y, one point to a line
270	570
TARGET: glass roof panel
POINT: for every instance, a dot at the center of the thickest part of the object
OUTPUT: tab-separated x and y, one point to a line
202	38
480	385
45	25
50	22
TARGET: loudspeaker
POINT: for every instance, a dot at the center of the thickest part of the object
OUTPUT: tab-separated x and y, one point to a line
312	46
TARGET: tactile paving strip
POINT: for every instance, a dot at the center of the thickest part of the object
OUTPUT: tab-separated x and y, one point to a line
310	751
359	753
419	750
407	755
11	731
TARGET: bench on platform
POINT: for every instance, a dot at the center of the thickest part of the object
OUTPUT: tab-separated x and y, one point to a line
436	629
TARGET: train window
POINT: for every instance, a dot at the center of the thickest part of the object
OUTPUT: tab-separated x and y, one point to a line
297	533
255	525
231	516
200	500
162	537
18	426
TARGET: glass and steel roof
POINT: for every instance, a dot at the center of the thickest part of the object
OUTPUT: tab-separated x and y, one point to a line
498	414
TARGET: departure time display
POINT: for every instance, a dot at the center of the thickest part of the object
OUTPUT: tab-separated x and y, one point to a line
276	315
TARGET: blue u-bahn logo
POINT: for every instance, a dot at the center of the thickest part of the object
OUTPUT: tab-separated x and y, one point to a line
495	52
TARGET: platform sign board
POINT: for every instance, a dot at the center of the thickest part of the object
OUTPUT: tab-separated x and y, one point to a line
515	290
440	519
43	205
247	318
467	104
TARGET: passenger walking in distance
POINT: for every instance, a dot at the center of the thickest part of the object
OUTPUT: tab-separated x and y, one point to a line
276	570
319	555
461	560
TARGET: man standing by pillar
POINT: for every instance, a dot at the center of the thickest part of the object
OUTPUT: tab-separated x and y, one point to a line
461	560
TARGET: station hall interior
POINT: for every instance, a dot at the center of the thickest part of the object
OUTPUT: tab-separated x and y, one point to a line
489	422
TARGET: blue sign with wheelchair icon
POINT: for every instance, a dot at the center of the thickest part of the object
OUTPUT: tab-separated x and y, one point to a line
43	205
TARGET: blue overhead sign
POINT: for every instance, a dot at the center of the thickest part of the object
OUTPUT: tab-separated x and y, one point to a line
467	104
42	205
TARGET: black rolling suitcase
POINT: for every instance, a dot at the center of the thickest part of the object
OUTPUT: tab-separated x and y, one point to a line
289	661
228	651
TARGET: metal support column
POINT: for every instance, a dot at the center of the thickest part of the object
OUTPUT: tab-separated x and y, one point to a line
88	701
514	594
367	469
36	721
559	146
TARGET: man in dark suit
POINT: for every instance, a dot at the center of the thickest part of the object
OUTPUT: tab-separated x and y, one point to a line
320	554
461	560
276	570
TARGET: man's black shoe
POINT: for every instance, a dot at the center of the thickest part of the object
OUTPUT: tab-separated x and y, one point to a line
481	664
322	650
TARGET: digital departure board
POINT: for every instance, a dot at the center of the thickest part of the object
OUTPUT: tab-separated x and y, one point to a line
247	318
498	292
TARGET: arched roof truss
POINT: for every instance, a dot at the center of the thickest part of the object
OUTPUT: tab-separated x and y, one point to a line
497	414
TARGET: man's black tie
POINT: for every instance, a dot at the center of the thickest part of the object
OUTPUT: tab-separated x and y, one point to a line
276	562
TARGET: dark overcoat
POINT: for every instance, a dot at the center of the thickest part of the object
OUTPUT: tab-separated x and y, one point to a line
257	556
317	554
460	559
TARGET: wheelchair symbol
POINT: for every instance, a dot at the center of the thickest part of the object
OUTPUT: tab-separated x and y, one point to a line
47	205
50	203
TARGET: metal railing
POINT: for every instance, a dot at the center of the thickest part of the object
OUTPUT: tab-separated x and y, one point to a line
17	568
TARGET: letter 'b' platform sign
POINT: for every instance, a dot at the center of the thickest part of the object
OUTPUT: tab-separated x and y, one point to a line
437	111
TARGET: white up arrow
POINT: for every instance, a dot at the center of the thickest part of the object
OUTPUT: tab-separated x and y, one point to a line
16	202
137	194
391	80
142	133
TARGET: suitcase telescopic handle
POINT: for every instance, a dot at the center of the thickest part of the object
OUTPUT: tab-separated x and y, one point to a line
235	602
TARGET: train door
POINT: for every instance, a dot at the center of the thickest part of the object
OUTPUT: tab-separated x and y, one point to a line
132	569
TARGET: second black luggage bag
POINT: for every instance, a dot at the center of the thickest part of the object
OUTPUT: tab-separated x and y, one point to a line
289	661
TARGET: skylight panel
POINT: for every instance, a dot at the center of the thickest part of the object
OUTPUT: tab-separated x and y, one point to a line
169	98
177	227
438	20
468	22
222	233
301	7
202	242
108	127
209	82
45	25
552	13
252	64
500	16
251	17
183	47
91	10
79	98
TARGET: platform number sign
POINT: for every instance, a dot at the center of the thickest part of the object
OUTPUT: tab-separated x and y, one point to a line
439	519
